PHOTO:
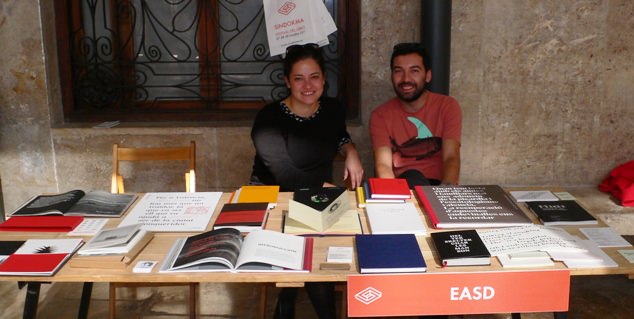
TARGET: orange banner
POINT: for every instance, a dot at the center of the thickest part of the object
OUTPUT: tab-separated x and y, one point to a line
458	293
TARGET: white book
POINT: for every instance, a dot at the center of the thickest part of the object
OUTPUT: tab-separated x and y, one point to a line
114	241
173	211
605	237
534	196
528	259
510	240
395	219
594	257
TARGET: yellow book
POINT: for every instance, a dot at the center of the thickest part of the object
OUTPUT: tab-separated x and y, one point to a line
360	197
258	194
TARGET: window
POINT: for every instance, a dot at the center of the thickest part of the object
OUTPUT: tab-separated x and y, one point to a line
186	60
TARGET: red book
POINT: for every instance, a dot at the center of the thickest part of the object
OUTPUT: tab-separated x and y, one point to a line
39	257
61	224
389	188
245	217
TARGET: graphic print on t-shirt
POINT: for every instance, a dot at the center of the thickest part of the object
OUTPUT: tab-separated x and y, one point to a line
421	146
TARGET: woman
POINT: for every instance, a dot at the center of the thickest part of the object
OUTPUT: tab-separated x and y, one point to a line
296	140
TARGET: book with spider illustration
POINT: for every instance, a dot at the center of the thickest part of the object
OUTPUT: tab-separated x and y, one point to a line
39	257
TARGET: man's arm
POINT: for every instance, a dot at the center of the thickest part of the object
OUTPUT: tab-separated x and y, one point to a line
383	162
450	162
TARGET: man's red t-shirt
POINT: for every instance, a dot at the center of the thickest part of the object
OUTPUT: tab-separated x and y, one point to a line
415	137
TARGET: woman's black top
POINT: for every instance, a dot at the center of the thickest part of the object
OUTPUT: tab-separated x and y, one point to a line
295	152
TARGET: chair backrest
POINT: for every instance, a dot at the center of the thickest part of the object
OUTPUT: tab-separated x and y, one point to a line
186	153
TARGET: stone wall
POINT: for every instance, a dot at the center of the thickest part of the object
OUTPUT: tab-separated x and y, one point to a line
545	87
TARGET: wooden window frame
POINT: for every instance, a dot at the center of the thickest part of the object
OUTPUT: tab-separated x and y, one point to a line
67	14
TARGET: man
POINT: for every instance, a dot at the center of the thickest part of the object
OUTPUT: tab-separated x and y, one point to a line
416	135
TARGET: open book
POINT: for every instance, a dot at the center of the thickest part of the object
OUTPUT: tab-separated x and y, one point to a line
77	202
226	249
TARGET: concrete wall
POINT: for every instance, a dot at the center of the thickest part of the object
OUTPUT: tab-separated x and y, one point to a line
545	87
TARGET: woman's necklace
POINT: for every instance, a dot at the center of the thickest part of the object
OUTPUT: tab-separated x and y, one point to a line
304	112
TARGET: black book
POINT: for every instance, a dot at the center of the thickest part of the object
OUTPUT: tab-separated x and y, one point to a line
461	248
563	212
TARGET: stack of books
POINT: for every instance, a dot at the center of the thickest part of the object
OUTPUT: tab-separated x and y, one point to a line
383	190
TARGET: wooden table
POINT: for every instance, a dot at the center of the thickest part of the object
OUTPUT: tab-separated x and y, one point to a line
160	244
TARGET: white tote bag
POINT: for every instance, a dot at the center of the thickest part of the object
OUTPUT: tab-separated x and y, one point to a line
290	22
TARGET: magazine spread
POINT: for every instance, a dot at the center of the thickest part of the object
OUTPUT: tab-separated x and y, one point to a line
226	249
77	202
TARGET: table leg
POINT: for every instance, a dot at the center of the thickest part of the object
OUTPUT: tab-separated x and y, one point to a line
31	299
84	303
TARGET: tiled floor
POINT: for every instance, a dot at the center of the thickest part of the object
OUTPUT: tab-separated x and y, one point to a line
591	297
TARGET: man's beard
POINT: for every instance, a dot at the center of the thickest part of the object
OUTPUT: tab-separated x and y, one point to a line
409	97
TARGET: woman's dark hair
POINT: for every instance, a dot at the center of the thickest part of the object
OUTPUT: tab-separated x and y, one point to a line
409	48
295	53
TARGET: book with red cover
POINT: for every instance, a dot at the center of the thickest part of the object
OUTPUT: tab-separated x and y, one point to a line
39	257
245	217
389	188
60	224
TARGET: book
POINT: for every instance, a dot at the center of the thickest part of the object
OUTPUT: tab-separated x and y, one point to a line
395	219
369	200
526	260
390	253
592	257
39	257
244	217
461	248
227	250
115	257
527	238
319	207
470	206
77	203
360	195
392	188
564	212
53	223
173	211
605	237
348	224
116	241
532	196
256	194
8	247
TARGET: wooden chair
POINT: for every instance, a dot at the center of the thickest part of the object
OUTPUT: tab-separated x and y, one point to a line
119	154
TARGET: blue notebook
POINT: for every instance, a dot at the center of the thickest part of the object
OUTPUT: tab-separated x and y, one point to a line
389	254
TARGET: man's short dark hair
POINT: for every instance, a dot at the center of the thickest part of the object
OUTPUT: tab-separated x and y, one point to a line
409	48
